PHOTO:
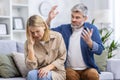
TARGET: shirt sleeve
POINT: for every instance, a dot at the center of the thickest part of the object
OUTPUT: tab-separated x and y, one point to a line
31	64
95	46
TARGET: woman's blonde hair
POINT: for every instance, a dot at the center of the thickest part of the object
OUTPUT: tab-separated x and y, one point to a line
37	21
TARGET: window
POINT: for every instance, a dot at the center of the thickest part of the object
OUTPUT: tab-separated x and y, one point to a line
117	19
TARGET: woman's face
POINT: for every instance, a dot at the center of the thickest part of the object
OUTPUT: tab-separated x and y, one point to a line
37	32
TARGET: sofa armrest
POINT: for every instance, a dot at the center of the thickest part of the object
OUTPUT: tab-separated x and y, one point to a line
113	65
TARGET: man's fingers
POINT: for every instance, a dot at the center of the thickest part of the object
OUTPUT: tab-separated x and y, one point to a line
54	7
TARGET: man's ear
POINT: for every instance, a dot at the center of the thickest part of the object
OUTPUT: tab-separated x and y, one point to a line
85	18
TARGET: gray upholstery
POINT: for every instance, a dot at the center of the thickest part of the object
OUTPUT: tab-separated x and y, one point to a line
106	76
17	78
20	47
113	65
7	46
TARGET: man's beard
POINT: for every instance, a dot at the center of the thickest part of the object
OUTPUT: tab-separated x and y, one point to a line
76	26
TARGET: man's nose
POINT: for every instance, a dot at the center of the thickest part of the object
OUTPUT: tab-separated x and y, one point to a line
73	19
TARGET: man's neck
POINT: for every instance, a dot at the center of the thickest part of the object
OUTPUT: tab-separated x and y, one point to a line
76	28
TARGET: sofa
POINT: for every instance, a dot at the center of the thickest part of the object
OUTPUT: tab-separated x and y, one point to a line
112	70
8	47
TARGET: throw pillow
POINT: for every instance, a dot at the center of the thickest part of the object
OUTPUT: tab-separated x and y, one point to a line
7	67
101	60
20	63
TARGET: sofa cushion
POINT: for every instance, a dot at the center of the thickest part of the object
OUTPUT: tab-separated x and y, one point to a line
7	46
16	78
7	67
20	63
101	60
113	65
20	47
106	76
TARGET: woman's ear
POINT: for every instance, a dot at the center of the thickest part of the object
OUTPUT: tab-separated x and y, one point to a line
46	26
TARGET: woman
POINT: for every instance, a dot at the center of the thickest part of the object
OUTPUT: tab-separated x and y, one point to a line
45	51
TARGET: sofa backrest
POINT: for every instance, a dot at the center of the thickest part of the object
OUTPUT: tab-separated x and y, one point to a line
8	46
20	47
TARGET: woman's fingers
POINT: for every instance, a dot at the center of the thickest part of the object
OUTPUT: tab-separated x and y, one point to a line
42	73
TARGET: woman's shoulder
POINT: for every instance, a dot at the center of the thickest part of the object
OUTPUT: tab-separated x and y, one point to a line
55	34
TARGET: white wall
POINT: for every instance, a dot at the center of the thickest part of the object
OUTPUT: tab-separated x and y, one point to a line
65	6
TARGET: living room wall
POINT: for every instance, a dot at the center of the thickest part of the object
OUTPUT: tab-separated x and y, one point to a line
64	7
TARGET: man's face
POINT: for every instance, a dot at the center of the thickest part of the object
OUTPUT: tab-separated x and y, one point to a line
77	19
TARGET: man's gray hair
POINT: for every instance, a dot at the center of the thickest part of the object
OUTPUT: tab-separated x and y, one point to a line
80	8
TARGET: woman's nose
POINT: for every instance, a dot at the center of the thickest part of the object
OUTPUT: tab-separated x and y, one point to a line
35	34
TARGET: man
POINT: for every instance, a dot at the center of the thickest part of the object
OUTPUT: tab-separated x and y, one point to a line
82	41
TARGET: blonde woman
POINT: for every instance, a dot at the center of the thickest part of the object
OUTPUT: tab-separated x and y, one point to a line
45	51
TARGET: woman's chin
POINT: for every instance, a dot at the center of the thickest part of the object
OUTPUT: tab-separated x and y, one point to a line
38	39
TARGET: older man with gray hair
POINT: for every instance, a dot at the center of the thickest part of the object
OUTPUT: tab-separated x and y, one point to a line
82	41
